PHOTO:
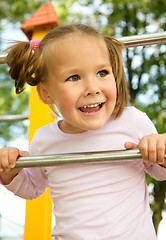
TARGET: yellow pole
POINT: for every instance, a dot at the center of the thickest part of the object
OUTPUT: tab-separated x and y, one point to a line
38	211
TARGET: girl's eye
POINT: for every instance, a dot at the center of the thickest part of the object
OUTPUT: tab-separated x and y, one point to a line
102	73
73	78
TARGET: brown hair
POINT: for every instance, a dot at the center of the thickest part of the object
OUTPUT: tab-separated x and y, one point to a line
31	67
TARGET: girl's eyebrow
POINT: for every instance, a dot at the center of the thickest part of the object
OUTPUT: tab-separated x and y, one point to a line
72	70
69	71
104	65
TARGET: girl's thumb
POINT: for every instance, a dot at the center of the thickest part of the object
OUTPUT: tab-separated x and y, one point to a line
130	145
23	153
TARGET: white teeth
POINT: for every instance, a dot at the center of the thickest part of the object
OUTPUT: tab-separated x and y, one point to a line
91	106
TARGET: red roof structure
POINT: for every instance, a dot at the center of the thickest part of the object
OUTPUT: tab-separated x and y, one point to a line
44	16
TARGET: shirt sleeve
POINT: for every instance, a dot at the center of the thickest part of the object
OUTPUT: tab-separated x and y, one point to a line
30	183
146	127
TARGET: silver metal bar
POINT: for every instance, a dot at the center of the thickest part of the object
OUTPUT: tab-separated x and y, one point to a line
131	41
143	40
12	118
2	59
60	159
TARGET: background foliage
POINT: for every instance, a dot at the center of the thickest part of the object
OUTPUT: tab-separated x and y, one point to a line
144	66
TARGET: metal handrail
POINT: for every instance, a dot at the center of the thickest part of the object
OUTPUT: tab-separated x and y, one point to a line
72	158
143	40
2	59
131	41
12	118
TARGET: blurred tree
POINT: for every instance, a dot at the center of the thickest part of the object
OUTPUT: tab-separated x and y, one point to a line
11	104
12	12
146	73
16	11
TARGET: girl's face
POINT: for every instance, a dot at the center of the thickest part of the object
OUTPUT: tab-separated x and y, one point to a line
81	83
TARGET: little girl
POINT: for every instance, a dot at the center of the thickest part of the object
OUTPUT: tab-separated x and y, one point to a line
80	72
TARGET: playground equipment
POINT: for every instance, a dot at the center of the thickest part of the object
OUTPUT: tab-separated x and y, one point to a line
38	211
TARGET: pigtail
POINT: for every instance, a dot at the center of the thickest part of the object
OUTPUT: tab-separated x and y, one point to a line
114	48
24	65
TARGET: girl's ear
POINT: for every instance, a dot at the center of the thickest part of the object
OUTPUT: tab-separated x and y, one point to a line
44	94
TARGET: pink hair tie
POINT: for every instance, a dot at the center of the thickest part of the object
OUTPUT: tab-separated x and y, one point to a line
35	43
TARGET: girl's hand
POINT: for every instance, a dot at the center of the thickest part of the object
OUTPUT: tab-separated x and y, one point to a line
8	158
152	148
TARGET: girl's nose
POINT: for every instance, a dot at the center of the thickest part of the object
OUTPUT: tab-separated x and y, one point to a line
92	89
92	92
97	92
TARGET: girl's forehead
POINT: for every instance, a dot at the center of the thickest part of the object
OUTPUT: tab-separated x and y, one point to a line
73	50
74	41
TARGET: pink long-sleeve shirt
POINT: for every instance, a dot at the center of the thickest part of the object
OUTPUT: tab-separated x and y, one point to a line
94	201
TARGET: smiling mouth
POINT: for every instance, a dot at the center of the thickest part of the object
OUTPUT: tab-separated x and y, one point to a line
91	108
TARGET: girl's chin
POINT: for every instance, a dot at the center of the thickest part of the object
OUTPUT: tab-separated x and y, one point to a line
88	125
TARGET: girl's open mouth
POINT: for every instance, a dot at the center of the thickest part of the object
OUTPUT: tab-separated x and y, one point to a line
92	108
